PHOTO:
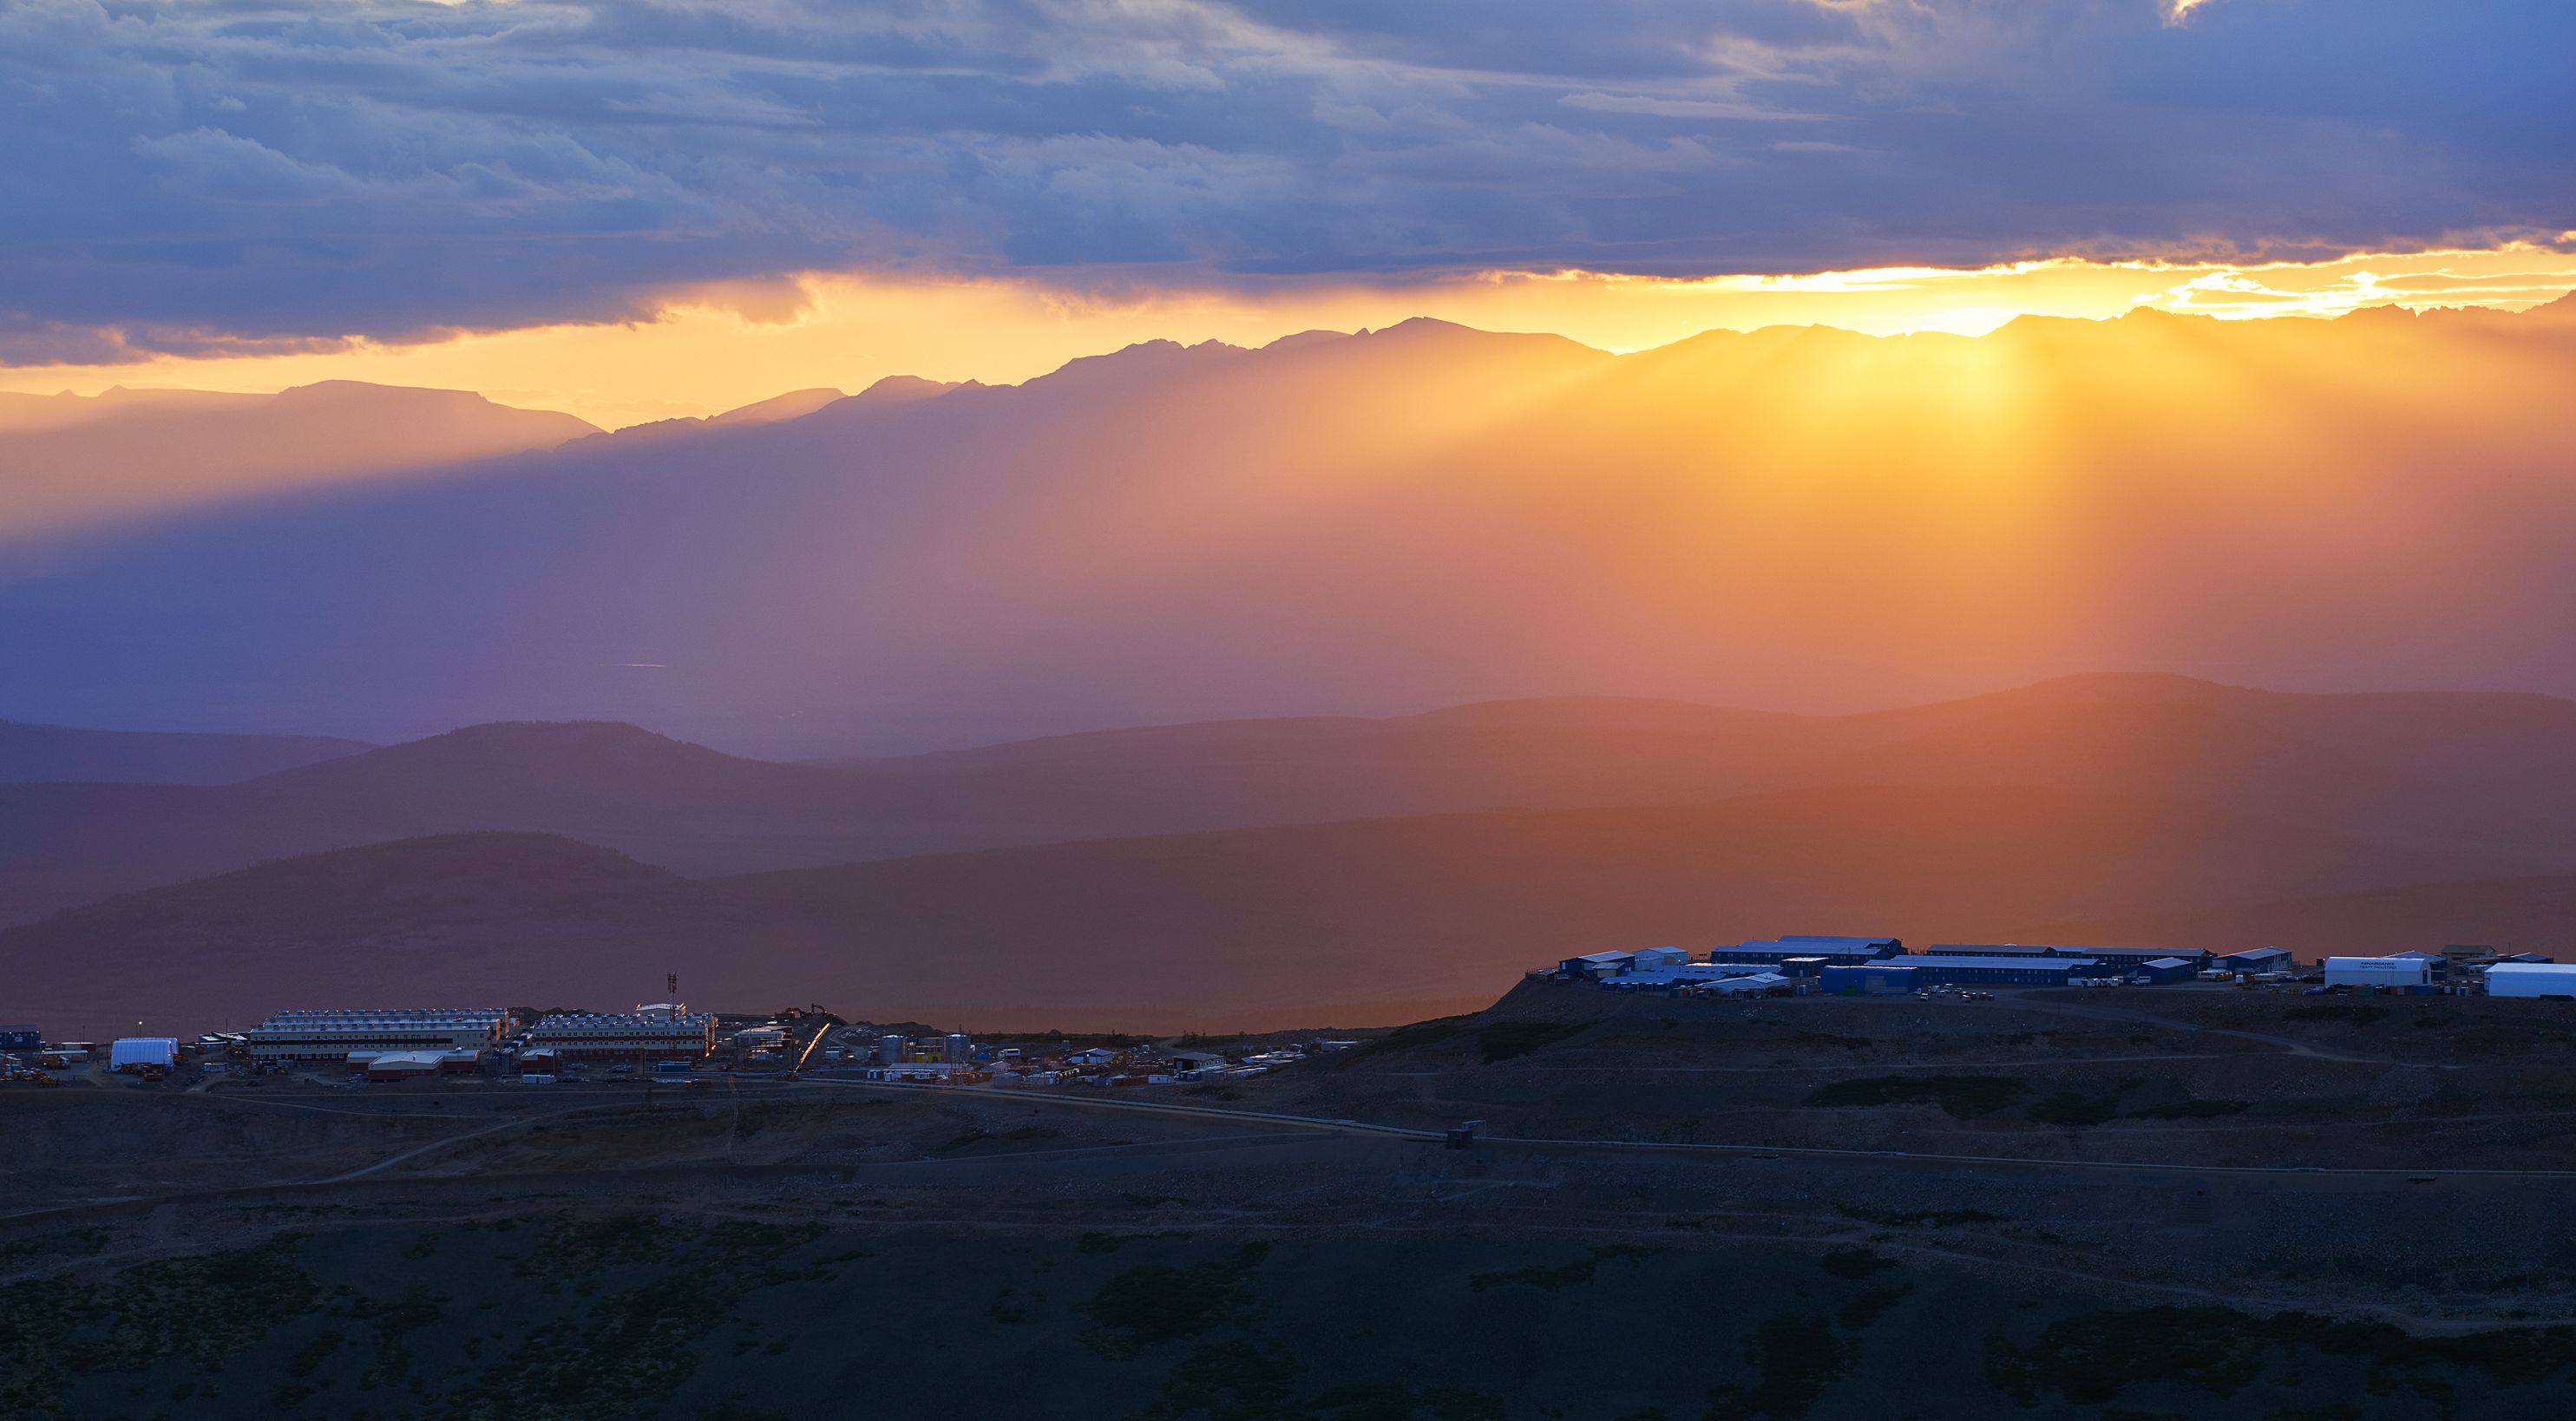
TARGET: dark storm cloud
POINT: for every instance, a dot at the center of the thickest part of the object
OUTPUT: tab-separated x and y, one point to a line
245	170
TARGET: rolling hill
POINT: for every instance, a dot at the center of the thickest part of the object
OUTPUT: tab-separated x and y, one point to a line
1372	921
2456	773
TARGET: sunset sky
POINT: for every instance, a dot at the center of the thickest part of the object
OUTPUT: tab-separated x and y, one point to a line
635	210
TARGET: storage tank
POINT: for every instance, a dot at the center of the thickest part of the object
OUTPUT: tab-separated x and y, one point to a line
960	1048
890	1050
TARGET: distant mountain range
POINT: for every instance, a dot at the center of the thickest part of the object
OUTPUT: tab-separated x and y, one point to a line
54	753
70	464
1311	870
1418	516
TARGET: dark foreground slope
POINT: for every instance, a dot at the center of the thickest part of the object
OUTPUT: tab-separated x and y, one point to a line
1630	1237
1374	921
636	1316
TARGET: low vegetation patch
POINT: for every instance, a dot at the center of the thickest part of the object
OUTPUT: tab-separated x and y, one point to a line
2075	1110
1795	1357
1505	1040
2091	1359
1561	1275
1855	1262
1805	1037
2191	1110
1961	1097
1918	1218
2357	1013
1857	1315
1155	1302
977	1137
1409	1037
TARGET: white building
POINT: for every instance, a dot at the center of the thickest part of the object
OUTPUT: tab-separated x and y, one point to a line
2407	971
2531	979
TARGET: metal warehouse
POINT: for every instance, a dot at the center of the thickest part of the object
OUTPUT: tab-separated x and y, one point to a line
1940	969
2531	979
624	1037
334	1035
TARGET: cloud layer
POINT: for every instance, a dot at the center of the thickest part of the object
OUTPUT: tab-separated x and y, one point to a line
217	174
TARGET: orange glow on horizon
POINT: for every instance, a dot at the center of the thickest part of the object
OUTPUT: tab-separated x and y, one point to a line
719	347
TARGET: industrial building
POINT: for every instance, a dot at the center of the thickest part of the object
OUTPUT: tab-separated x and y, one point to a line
1868	979
623	1036
1827	950
2396	972
1760	984
21	1038
1651	958
2166	969
1597	964
2531	979
1714	971
414	1065
2257	961
2119	957
335	1035
1959	970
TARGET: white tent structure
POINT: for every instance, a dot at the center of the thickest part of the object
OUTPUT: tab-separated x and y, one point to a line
2531	979
136	1052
